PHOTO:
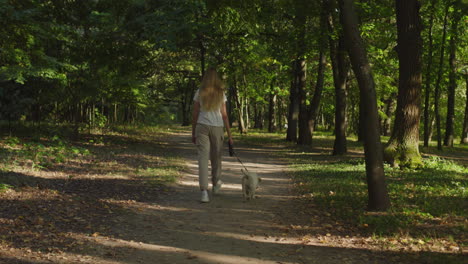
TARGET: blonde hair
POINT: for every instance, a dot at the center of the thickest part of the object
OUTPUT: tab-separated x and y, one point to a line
211	91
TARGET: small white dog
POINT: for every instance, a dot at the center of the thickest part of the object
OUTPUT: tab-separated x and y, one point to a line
250	182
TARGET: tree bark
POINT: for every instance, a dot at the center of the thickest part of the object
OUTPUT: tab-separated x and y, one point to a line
449	132
403	146
439	79
377	188
316	98
389	109
427	97
239	106
271	111
293	114
464	135
202	55
258	122
340	70
305	136
361	121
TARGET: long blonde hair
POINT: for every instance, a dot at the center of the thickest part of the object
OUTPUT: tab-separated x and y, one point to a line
211	91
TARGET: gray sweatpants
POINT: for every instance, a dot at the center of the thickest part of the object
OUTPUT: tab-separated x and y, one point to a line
209	146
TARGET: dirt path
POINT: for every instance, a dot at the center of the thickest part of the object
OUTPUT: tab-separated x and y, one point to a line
180	229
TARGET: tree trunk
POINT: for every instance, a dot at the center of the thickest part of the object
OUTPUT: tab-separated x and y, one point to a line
229	104
389	109
240	107
293	114
305	136
340	70
316	98
245	104
464	136
449	133
315	102
439	79
377	188
403	146
202	55
271	111
427	97
362	120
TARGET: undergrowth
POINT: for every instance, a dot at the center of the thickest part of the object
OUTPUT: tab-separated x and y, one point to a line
39	153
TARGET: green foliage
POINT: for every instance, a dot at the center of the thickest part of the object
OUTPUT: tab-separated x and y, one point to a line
4	187
140	60
42	154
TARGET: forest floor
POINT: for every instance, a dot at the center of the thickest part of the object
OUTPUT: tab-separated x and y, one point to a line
111	207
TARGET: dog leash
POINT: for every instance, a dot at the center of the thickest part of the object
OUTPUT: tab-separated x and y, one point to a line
233	153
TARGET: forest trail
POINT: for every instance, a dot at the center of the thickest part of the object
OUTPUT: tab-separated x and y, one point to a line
180	229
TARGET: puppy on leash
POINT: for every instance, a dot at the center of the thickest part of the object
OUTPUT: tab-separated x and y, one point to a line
250	183
250	180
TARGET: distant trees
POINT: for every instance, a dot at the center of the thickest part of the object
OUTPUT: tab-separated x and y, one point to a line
95	63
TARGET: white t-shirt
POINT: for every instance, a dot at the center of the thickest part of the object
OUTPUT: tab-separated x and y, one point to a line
210	118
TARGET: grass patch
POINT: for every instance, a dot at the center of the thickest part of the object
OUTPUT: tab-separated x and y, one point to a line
126	151
256	137
168	173
4	187
39	152
427	204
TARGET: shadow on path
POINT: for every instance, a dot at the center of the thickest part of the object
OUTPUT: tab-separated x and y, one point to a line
180	229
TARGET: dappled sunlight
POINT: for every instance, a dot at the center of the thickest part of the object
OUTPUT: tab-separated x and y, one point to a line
187	254
133	217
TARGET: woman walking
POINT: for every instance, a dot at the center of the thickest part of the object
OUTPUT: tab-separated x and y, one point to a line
208	123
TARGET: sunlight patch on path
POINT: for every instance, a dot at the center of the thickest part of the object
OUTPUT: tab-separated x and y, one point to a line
203	256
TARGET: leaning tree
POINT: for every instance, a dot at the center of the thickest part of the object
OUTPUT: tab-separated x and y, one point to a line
377	188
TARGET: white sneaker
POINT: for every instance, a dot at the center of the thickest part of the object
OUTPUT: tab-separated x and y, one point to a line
204	197
217	187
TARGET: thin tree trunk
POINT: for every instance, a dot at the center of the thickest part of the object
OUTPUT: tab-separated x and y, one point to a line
403	146
389	109
271	110
464	135
439	79
449	132
245	103
316	98
427	97
239	106
293	114
256	116
202	55
315	102
115	113
230	98
340	70
377	188
247	113
305	136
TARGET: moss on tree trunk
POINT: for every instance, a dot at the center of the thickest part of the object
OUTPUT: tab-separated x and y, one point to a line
399	155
